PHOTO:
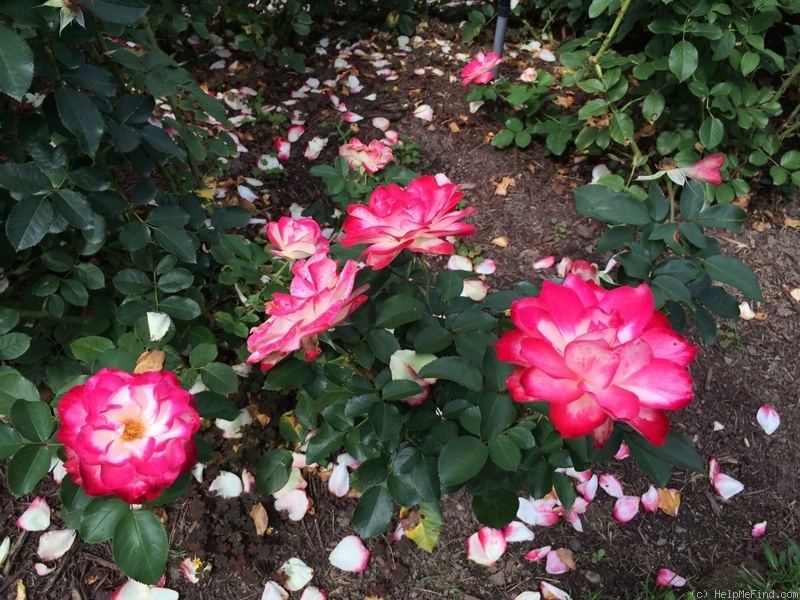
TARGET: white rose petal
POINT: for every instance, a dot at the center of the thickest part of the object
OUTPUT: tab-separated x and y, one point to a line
298	574
227	485
36	517
55	544
158	324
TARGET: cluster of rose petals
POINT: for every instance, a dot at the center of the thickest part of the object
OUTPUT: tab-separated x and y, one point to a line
292	497
404	365
474	289
350	555
479	70
372	157
128	435
596	357
320	297
417	218
296	239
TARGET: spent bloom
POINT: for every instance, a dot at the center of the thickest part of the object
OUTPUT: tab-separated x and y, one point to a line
128	435
296	239
596	357
417	218
372	157
479	70
320	297
404	365
706	170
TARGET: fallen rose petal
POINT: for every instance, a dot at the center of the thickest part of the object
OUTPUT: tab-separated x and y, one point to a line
517	532
551	592
36	517
759	529
190	568
745	312
713	467
295	503
339	481
611	485
245	193
650	500
626	508
537	512
351	117
59	471
42	569
232	429
555	564
399	533
598	172
227	485
768	418
718	426
272	591
475	289
486	267
248	481
546	55
313	593
350	555
588	489
424	112
726	486
55	544
295	131
537	554
667	578
544	263
5	548
381	123
315	147
459	263
486	546
623	452
197	472
158	325
283	147
528	596
297	573
574	519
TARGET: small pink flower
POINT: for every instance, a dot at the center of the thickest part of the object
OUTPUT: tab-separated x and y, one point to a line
486	546
768	418
529	75
371	158
296	239
667	578
350	555
128	435
480	69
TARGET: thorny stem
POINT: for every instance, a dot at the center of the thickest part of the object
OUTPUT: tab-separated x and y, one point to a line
595	59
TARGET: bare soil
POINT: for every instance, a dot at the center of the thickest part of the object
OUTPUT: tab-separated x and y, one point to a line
708	542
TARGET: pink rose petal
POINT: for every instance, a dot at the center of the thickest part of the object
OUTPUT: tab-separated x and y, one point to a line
555	566
424	112
759	529
650	500
611	485
313	593
528	596
726	486
544	263
298	574
537	554
227	485
350	555
55	544
623	451
588	489
517	532
339	482
486	546
667	578
272	591
626	508
42	569
295	503
551	592
768	418
36	517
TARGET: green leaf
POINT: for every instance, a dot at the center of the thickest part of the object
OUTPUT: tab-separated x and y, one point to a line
497	414
504	453
683	60
497	509
25	178
134	236
177	242
274	468
27	468
726	216
74	292
673	289
791	160
677	451
100	517
425	533
14	345
461	459
653	106
606	205
74	208
732	271
711	132
124	12
454	368
9	441
118	358
657	469
202	354
692	199
32	420
90	276
398	310
394	391
180	308
158	139
229	217
81	117
323	443
564	490
749	62
373	513
211	405
8	319
385	419
16	64
220	378
88	348
29	222
140	546
472	346
132	282
503	138
432	339
383	344
621	128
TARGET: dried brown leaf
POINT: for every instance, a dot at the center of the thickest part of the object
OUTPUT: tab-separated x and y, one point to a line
151	360
669	501
454	127
501	189
501	241
260	518
566	556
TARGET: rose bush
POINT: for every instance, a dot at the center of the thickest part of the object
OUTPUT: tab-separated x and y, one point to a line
128	435
596	357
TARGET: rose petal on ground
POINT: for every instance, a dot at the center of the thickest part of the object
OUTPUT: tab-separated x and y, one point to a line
713	467
339	482
295	503
558	561
718	426
626	508
486	267
459	263
295	131
424	112
611	485
189	568
351	117
248	481
546	55
232	429
598	172
537	554
197	472
475	289
246	193
726	486
381	123
486	546
544	263
551	592
650	500
623	452
54	544
528	596
588	489
313	593
759	529
158	324
59	471
298	574
5	548
314	148
517	532
36	517
42	569
227	485
745	312
272	591
350	555
768	418
667	578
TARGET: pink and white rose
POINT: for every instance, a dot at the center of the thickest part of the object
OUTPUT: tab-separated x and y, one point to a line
480	69
128	435
296	239
372	157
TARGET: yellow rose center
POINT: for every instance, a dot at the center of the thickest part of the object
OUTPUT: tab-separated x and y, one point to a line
134	430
